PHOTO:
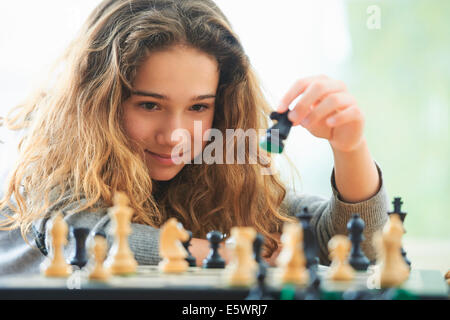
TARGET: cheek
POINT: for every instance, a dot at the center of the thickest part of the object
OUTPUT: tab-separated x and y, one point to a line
206	125
136	128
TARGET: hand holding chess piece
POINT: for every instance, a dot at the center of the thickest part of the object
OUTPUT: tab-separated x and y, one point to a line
55	265
292	259
340	270
393	269
121	260
171	247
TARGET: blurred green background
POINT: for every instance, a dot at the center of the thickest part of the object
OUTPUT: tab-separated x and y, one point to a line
400	75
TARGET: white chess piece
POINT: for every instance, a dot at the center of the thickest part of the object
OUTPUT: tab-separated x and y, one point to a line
56	265
241	271
340	270
292	260
121	260
171	248
99	271
393	269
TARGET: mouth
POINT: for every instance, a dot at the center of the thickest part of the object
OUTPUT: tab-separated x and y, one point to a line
161	155
163	158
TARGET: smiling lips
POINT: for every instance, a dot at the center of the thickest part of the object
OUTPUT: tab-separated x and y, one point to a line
162	155
163	158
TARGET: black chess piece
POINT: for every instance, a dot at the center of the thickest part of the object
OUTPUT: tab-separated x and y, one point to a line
214	260
80	257
257	249
190	258
312	291
357	259
273	141
260	291
359	294
309	239
398	210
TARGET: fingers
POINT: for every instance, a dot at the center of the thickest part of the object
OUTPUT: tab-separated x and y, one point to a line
297	89
350	114
331	104
315	93
314	89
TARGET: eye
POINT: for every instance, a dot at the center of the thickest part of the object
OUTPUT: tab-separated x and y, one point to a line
202	107
147	105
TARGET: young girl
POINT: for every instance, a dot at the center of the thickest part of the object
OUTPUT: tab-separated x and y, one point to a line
138	71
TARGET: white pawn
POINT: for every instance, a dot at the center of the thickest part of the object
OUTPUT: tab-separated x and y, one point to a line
171	248
393	268
292	260
56	265
242	268
340	270
121	260
99	271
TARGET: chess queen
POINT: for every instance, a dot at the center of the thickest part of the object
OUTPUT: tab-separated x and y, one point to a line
137	71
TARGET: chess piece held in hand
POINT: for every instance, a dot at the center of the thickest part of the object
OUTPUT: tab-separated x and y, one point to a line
273	141
121	260
340	270
171	249
393	268
292	261
56	265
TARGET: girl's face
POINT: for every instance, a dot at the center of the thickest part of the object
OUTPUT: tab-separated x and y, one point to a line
172	89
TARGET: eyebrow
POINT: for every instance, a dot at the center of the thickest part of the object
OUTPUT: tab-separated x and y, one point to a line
163	97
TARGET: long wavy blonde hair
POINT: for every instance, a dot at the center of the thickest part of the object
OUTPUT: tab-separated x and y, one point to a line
75	142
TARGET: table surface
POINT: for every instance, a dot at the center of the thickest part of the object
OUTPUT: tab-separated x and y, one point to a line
197	283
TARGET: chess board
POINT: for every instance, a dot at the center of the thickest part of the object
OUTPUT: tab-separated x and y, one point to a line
198	283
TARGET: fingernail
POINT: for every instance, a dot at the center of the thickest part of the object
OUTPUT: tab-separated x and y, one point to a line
304	122
331	121
292	116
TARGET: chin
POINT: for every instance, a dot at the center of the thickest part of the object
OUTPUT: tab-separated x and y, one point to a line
164	175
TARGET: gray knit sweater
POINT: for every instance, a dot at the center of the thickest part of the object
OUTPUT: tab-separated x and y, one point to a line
330	217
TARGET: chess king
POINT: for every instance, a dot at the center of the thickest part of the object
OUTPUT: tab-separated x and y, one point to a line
121	259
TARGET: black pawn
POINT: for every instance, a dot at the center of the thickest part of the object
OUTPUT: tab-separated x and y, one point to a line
398	210
272	144
309	239
190	259
80	257
358	259
214	260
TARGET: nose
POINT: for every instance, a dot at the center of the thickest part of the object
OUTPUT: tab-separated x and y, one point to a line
167	129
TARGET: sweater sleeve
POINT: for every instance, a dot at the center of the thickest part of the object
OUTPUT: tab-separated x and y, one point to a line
143	239
330	216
